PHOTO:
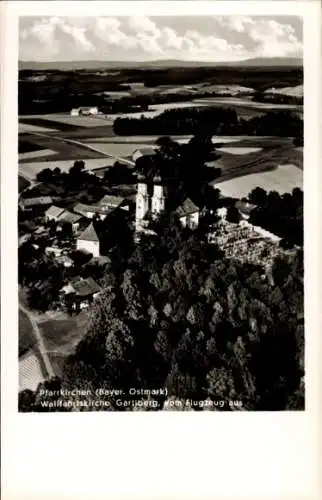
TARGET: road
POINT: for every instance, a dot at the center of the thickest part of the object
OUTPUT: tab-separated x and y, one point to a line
85	146
40	342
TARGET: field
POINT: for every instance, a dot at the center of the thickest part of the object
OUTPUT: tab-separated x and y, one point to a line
42	153
118	149
62	119
26	336
22	183
239	150
29	127
235	166
61	336
62	150
283	180
236	102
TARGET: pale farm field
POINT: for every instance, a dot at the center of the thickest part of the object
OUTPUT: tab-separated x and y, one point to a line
36	154
24	128
283	180
239	150
119	149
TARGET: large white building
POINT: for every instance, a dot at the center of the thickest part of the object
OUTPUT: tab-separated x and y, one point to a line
88	241
149	207
88	110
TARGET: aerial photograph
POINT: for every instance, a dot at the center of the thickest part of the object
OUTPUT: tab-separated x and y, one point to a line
160	214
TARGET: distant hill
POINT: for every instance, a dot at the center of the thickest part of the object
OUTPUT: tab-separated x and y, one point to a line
157	64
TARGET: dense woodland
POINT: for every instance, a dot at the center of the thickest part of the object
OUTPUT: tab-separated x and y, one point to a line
177	314
211	121
281	215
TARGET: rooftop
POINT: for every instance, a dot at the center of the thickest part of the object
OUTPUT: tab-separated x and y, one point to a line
111	200
54	211
40	200
187	208
89	234
82	209
67	216
148	151
244	206
83	287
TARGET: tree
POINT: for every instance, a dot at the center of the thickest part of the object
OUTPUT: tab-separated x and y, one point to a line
45	175
77	168
233	215
258	196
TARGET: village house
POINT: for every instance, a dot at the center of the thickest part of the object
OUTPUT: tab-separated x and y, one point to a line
40	201
79	294
90	211
111	201
188	214
85	110
88	241
67	217
53	251
53	213
138	153
244	208
65	261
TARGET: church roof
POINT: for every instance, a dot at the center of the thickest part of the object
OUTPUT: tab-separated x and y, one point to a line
89	234
187	208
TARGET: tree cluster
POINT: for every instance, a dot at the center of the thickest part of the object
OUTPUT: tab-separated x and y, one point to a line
178	315
279	214
213	121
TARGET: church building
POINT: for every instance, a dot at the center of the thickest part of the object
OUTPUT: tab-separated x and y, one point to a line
149	205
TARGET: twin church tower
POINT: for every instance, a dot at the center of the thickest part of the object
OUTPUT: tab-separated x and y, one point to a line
146	205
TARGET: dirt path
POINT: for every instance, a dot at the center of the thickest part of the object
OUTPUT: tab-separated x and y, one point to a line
86	146
40	342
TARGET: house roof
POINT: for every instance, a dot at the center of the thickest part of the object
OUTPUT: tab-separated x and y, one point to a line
85	287
145	151
67	216
244	207
111	200
82	209
54	211
40	200
187	208
89	234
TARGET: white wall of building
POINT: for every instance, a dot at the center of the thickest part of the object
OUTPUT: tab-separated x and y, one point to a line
89	246
158	200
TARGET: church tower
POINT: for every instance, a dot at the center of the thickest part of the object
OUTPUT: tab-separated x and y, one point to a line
158	199
142	202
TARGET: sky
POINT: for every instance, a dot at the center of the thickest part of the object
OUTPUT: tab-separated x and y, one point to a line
211	38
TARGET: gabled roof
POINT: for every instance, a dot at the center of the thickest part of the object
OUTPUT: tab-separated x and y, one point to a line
85	287
148	151
187	208
89	234
244	207
67	216
40	200
111	200
81	208
54	211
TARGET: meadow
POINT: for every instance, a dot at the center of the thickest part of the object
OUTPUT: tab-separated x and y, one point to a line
26	336
235	166
283	180
118	149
